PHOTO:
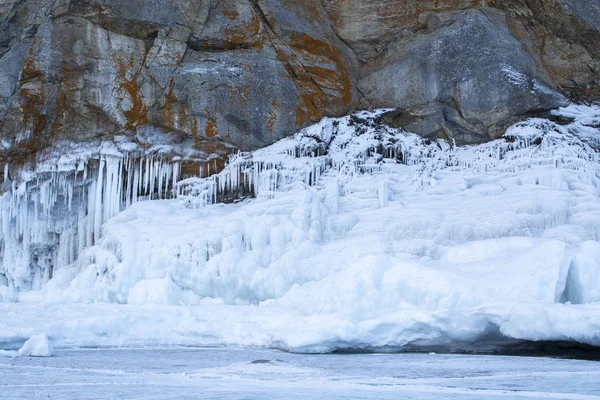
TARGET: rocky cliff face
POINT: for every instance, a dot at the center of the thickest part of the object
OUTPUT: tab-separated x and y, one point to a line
104	102
240	74
223	74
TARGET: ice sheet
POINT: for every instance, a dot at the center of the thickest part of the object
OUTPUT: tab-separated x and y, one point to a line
167	374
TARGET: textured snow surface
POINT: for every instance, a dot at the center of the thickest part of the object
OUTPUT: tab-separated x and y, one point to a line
166	374
351	235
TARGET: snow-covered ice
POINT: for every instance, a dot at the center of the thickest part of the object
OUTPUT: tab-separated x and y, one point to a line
37	346
173	373
349	235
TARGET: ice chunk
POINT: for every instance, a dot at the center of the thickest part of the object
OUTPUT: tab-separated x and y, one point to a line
37	346
583	284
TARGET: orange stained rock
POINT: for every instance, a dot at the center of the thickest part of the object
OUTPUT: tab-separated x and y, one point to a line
61	111
306	112
194	126
229	9
128	81
211	127
312	78
236	31
32	100
272	118
174	114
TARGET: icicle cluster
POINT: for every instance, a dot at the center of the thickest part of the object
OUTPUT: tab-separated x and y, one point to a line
49	219
360	144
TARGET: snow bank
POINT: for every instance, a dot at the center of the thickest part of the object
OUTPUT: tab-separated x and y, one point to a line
350	234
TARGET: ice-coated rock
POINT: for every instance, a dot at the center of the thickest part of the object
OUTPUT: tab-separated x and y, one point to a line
358	236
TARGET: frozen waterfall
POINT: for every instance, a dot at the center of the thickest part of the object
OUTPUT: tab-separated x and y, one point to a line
50	216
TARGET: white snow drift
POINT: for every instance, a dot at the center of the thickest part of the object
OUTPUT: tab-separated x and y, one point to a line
353	234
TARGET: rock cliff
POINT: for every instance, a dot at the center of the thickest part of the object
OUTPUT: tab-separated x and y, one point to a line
240	74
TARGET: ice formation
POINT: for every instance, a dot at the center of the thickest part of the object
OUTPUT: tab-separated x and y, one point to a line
350	234
37	346
51	214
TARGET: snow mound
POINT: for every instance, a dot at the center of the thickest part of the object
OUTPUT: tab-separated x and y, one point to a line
350	234
37	346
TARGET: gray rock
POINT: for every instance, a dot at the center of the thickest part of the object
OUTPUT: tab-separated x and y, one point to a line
231	74
370	26
564	39
240	74
474	66
586	11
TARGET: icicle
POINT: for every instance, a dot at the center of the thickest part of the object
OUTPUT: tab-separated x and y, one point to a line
383	194
98	203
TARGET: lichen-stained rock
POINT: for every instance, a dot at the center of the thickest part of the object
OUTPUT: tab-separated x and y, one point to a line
242	73
241	97
562	37
467	80
306	43
231	25
257	72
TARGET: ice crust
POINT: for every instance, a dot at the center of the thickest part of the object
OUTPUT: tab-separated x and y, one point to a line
350	234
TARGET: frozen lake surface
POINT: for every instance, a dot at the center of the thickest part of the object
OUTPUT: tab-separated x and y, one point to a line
208	373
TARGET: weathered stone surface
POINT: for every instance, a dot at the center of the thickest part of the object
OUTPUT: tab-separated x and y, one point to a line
6	7
259	72
561	37
370	26
586	11
240	74
466	81
564	39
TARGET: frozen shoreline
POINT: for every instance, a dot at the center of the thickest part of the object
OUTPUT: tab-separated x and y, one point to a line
265	374
110	325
